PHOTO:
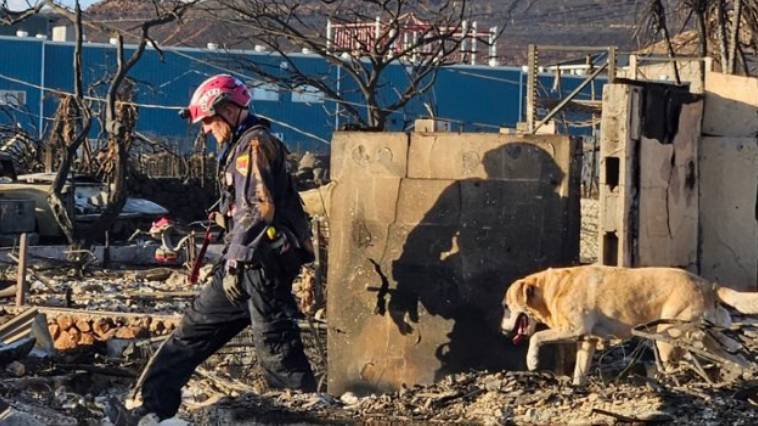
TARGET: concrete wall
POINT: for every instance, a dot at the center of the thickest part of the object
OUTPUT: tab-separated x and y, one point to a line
427	230
648	178
731	105
620	127
694	201
729	181
668	198
663	71
729	213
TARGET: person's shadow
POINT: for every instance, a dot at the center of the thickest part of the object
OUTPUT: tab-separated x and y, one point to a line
481	235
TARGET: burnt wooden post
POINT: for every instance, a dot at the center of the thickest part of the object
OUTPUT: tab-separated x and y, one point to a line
21	276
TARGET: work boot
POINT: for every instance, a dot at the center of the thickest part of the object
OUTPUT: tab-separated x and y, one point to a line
150	419
119	415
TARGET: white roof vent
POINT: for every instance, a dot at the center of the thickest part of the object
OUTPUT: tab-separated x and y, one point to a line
22	33
212	46
41	36
259	48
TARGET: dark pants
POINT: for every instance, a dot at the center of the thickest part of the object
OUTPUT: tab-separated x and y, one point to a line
212	321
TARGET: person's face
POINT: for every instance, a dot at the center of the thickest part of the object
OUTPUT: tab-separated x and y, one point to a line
218	127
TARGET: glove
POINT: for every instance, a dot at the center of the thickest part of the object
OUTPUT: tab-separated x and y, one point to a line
232	286
218	219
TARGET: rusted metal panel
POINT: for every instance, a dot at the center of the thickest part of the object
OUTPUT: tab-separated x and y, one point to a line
419	259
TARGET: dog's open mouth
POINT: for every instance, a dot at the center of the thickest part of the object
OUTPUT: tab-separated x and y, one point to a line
522	326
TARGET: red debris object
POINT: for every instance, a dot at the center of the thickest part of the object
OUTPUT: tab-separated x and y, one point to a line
160	225
199	259
163	255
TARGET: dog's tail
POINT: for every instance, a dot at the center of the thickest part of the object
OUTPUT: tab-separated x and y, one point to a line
743	301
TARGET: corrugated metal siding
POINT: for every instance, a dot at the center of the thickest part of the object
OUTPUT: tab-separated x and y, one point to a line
22	60
474	97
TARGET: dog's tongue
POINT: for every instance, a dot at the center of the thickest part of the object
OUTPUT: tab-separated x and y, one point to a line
517	339
521	324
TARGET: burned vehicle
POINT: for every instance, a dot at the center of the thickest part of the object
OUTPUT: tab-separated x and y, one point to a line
87	201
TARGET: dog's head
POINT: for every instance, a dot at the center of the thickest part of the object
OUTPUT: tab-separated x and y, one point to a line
520	314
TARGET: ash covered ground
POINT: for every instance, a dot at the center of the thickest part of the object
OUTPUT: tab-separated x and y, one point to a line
99	360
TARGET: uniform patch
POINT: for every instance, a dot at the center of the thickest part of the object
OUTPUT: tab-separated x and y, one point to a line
242	164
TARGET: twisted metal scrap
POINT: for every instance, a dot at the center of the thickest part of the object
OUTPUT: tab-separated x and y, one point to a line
696	331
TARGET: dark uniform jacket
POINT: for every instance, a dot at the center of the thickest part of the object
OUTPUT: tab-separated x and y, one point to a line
257	190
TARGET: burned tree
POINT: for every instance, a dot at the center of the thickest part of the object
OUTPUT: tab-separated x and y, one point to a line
725	28
363	38
73	121
70	130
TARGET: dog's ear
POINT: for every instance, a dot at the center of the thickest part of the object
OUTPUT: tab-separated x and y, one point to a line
528	290
513	293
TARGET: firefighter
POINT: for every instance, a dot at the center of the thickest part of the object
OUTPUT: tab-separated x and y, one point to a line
267	240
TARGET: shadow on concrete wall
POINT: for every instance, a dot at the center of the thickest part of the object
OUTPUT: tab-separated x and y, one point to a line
480	236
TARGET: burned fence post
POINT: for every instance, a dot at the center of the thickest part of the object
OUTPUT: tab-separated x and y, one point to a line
21	276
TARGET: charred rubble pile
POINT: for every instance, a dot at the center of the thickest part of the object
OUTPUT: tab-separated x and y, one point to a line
101	327
502	398
188	195
101	330
310	170
77	385
187	200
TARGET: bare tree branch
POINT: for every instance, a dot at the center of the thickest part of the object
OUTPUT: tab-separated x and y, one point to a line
734	36
9	17
420	35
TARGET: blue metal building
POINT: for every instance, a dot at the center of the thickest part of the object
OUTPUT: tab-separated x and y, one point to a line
33	70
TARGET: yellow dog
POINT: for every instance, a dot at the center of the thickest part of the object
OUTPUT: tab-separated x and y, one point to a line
607	302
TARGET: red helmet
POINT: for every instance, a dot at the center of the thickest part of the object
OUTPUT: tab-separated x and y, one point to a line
213	91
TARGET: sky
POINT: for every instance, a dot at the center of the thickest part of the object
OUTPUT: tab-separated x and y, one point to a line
24	4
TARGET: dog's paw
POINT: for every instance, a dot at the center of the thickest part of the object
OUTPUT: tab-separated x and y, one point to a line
532	362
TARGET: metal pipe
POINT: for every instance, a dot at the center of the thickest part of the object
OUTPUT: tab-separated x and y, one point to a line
520	96
336	103
464	32
328	35
473	42
568	98
41	121
572	48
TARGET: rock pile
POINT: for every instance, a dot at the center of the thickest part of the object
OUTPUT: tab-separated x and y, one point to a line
70	332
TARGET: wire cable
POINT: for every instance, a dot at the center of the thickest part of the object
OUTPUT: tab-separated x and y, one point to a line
152	106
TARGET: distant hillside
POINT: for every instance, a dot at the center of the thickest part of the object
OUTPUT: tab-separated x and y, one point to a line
574	22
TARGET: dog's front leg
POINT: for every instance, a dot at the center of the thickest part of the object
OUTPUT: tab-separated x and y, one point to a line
542	337
584	352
